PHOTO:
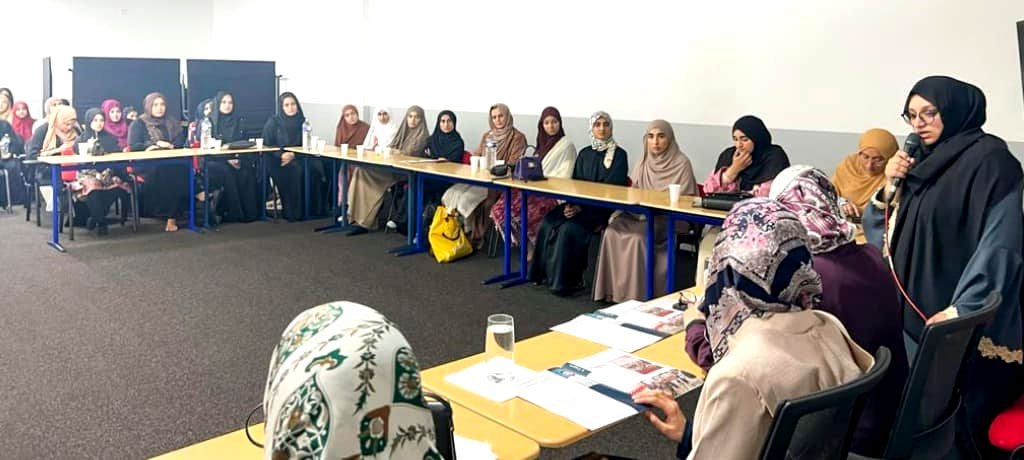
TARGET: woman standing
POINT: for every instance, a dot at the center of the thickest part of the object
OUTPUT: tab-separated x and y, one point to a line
284	129
621	263
751	163
560	257
954	236
166	185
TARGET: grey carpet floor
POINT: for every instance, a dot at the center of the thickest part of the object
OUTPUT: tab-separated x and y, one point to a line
137	344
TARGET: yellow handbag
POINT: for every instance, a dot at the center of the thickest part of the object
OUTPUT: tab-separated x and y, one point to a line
447	241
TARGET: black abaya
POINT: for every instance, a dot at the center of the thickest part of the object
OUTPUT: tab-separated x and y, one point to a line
560	256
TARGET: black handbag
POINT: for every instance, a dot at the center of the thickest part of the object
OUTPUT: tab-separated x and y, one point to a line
721	201
241	145
529	168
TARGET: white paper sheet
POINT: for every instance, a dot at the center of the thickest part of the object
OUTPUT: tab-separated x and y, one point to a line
580	404
474	379
607	333
468	448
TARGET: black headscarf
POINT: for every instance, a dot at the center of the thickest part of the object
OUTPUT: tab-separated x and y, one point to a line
106	140
225	125
449	146
290	132
767	159
961	105
197	116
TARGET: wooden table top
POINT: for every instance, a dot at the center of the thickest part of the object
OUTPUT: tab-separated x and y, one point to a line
577	189
448	169
505	443
547	350
660	200
144	155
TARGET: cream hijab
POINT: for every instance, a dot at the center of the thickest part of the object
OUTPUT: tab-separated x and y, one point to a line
657	172
382	133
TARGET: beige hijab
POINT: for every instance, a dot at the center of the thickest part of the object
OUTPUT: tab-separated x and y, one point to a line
411	141
658	171
511	142
55	135
855	183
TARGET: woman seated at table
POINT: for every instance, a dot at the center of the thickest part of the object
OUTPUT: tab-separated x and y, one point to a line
382	131
558	157
561	253
473	203
236	177
115	122
167	184
48	106
95	188
445	144
195	128
768	340
21	122
284	129
328	397
751	163
862	173
350	131
368	186
856	288
12	166
6	107
53	136
621	264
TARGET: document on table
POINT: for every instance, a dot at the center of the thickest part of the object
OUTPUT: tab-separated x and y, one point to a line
475	379
655	317
584	406
598	328
468	448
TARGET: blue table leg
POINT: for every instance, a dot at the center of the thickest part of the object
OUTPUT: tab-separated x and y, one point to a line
670	281
411	246
55	185
305	184
206	194
516	280
650	254
191	195
333	192
263	186
421	244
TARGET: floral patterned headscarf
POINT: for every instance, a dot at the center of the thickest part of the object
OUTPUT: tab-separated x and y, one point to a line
760	266
807	192
344	383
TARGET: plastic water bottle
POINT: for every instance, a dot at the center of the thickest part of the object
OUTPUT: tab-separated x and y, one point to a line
307	132
5	145
206	129
491	151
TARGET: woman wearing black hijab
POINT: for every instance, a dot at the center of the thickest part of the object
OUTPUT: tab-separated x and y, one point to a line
751	163
284	129
445	143
956	226
96	190
237	177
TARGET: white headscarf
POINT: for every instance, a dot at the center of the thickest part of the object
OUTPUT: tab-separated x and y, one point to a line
381	133
603	145
343	382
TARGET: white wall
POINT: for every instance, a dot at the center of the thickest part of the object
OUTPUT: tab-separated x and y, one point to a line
800	64
123	28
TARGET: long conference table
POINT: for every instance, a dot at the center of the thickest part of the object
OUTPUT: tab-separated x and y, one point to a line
629	199
58	163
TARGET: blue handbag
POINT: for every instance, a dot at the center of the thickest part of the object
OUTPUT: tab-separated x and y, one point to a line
528	168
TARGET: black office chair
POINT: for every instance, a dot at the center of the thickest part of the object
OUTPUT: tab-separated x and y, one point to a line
926	420
444	425
821	425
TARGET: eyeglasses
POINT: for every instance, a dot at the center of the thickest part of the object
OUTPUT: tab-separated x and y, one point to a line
927	116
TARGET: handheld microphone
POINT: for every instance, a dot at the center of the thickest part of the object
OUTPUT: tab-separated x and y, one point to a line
912	145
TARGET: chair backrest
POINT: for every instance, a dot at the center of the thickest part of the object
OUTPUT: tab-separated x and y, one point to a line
931	398
820	425
444	426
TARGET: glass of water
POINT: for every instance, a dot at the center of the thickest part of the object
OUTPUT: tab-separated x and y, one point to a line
500	347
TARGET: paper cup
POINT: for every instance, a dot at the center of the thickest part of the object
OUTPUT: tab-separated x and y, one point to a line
474	162
483	163
344	149
386	151
359	151
673	192
259	142
83	148
321	145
